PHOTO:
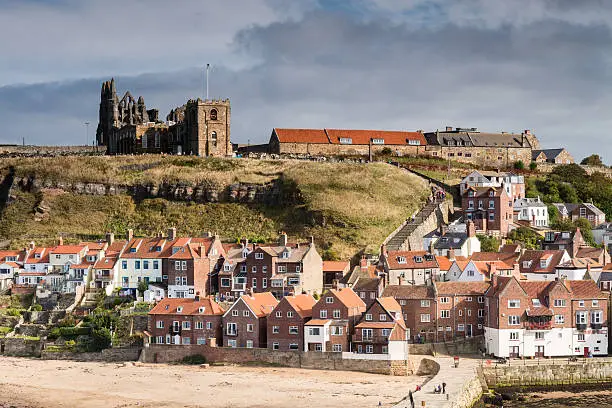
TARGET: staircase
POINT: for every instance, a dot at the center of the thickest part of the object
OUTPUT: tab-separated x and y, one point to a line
397	241
90	298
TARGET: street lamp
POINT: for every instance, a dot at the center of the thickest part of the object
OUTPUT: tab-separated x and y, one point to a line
86	134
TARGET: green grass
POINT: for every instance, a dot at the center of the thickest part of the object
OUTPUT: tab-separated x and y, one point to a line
347	207
5	330
30	338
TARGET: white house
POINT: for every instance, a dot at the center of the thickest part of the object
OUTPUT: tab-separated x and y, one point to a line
513	184
532	210
459	240
140	261
316	334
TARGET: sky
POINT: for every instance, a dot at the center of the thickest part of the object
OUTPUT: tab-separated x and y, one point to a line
498	65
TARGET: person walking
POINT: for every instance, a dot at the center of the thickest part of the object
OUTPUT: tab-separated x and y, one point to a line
443	388
411	399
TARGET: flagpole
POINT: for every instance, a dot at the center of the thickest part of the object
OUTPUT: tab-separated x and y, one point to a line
207	70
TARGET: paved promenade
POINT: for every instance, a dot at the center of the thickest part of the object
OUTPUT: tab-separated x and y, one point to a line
455	379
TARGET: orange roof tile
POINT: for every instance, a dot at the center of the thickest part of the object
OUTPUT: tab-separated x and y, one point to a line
335	266
67	249
393	259
261	304
348	298
409	292
389	304
301	136
461	288
586	289
318	322
302	304
376	325
363	137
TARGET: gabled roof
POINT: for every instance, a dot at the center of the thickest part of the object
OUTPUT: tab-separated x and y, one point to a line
484	192
261	304
450	240
589	252
367	284
302	304
389	304
347	297
585	289
461	288
190	307
550	154
507	257
534	256
301	135
105	263
393	260
335	266
363	137
67	249
409	292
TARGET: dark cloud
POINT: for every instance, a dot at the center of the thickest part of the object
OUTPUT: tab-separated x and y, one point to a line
335	68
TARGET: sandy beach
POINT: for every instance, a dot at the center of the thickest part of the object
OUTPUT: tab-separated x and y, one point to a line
52	384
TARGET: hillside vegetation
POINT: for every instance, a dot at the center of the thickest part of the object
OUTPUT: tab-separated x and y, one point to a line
347	207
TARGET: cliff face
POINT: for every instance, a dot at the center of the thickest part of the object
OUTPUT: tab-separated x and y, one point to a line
272	193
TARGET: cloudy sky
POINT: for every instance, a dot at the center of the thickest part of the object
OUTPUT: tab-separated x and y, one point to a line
543	65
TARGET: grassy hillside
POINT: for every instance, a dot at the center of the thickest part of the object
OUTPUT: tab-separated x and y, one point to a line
346	207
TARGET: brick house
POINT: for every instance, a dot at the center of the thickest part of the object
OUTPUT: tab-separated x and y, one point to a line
542	265
489	208
460	309
286	322
245	322
382	329
409	267
419	310
545	319
334	317
569	241
186	321
283	269
369	289
334	271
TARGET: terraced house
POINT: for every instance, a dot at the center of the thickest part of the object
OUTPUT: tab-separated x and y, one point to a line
382	329
286	322
245	322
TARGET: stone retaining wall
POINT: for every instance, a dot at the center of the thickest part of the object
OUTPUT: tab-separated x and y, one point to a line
561	374
50	151
157	353
469	395
108	355
19	347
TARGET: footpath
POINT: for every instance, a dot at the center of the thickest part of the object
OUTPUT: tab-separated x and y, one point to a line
456	379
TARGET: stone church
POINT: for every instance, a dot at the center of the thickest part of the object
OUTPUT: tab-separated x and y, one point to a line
126	126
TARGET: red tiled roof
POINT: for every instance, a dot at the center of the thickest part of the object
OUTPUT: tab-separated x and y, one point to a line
411	263
301	135
409	292
190	307
389	304
11	264
444	263
589	252
80	266
302	304
507	257
363	137
335	266
318	322
67	249
461	288
105	263
534	257
261	304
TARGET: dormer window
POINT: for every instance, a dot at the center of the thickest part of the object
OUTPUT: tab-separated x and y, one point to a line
526	264
346	140
491	193
36	256
201	309
544	263
471	193
378	141
565	235
536	302
401	259
418	259
132	250
158	248
227	267
179	309
285	254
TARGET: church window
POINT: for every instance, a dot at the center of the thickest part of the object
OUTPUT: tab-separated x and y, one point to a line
213	114
213	137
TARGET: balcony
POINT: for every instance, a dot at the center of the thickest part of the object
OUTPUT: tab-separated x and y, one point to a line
581	326
373	339
596	326
538	325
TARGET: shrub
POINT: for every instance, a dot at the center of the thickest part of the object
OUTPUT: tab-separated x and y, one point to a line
195	359
533	166
519	165
386	151
37	308
13	312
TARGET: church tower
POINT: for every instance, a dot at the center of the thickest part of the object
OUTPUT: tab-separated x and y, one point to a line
208	127
109	112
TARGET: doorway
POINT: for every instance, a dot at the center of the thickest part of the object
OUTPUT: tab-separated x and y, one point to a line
539	351
514	352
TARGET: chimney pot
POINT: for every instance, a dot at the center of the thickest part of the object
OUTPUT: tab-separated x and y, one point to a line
32	245
283	239
130	234
60	241
171	234
110	238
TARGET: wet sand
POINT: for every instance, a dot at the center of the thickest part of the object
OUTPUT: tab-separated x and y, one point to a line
564	399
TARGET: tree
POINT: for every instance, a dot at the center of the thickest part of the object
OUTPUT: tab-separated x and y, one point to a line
585	230
533	166
592	160
142	286
529	238
488	244
519	165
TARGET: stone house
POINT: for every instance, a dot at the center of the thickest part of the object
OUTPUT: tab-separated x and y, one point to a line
184	321
382	329
557	156
583	210
545	319
343	142
245	322
489	208
409	267
286	322
468	145
334	318
460	240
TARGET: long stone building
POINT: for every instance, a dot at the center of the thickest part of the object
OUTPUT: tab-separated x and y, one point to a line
199	127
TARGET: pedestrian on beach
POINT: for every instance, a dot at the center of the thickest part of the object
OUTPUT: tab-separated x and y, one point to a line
411	399
443	388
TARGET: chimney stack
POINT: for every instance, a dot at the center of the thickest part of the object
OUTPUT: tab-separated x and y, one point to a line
244	242
60	241
312	240
363	263
471	229
383	249
283	239
110	238
171	234
449	128
451	254
197	297
130	235
32	245
399	280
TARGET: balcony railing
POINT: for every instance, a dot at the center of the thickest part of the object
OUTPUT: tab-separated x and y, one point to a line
596	326
581	326
538	325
